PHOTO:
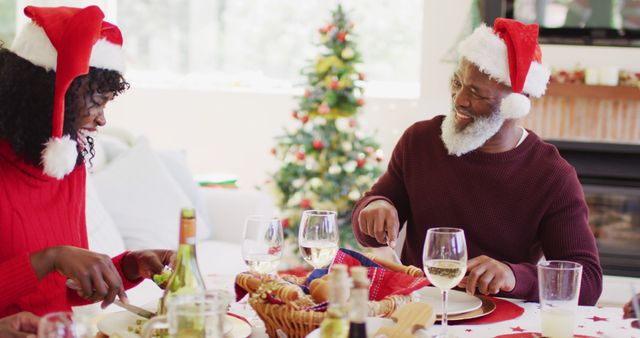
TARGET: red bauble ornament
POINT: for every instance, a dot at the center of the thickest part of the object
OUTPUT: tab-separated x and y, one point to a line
324	109
326	29
285	223
304	119
317	144
335	84
360	162
307	93
300	155
360	102
294	114
342	36
305	203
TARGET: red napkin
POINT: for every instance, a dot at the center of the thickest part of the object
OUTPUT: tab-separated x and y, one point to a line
505	310
383	282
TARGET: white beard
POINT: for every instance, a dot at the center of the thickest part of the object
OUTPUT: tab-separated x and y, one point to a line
472	137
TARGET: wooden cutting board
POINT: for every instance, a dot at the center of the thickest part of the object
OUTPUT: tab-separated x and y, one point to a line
408	319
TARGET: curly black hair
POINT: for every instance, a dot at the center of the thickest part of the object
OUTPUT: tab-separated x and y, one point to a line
26	102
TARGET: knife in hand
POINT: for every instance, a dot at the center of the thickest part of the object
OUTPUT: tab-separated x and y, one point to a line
135	309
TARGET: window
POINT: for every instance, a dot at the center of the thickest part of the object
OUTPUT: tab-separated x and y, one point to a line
262	44
7	21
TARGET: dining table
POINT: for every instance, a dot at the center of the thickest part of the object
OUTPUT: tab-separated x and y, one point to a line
591	321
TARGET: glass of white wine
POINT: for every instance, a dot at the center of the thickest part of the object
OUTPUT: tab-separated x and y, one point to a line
445	262
318	237
262	242
63	325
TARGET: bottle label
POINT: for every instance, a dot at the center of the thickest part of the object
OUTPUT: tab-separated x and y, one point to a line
187	231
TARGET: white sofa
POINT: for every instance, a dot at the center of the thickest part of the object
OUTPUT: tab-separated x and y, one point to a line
134	195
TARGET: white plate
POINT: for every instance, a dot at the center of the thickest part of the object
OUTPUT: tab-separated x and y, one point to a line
373	324
119	322
457	302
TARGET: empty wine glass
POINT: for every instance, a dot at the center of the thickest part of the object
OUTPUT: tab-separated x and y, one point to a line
262	242
318	237
63	325
445	262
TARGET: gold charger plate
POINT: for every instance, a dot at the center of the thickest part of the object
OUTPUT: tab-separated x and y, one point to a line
486	308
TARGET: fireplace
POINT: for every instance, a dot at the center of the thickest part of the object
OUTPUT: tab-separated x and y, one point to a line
610	177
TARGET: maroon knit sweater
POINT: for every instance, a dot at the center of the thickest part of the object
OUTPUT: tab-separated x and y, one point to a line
514	206
37	212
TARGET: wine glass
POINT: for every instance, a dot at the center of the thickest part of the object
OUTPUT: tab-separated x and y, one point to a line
262	241
63	325
445	262
318	237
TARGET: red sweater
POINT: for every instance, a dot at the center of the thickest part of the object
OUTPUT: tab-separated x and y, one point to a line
36	212
514	206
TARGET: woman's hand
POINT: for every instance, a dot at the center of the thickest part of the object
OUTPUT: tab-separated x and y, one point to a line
23	324
94	274
146	263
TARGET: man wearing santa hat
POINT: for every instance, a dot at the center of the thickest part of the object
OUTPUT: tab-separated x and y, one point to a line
513	195
55	81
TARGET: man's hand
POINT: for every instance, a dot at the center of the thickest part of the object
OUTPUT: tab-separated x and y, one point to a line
94	274
146	263
628	308
23	324
379	219
488	275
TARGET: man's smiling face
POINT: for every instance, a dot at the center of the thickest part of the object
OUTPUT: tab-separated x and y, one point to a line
475	115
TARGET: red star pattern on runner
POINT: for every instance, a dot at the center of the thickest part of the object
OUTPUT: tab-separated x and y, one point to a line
517	329
598	319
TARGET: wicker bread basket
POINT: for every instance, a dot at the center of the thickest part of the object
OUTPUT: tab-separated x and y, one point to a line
295	322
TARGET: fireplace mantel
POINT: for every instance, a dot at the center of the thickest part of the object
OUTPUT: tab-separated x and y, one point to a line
595	92
576	112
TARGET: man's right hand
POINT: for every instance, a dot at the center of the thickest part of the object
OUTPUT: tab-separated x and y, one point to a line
94	273
379	219
23	324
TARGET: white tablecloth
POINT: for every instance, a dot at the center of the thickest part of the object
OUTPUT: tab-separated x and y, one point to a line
220	262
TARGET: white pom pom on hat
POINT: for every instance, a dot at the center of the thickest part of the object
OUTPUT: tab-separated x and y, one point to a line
509	53
67	40
59	154
515	106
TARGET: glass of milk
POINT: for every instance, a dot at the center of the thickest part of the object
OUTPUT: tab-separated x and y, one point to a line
559	287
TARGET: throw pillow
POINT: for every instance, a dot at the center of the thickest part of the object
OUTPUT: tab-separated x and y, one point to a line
102	232
176	163
142	198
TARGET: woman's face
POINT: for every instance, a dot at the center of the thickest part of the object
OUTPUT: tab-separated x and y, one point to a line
91	116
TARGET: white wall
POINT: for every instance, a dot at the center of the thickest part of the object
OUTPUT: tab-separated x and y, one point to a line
233	131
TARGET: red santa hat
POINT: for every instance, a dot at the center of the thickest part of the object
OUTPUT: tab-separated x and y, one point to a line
509	53
69	41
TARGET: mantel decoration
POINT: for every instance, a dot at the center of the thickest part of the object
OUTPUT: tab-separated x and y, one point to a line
327	161
596	75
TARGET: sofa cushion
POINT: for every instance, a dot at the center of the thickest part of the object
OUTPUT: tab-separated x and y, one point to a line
175	161
104	236
143	198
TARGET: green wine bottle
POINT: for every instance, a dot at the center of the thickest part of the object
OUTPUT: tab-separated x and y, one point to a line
186	277
336	322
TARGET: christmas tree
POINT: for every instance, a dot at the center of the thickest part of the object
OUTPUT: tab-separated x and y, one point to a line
327	162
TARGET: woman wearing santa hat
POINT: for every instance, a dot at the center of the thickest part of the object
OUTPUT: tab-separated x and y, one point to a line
55	81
